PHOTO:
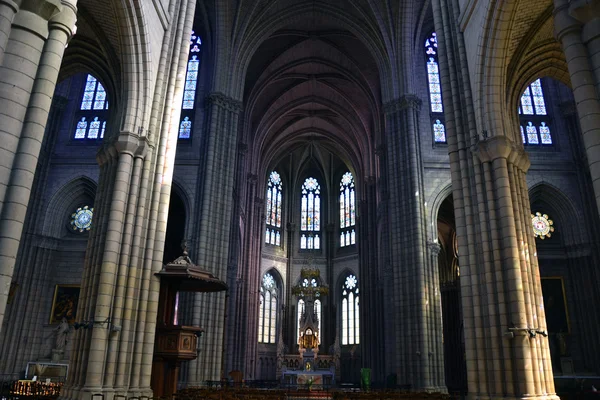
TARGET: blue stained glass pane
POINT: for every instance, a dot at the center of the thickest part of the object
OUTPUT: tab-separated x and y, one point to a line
103	129
98	105
193	64
538	97
86	105
434	78
188	105
185	128
188	95
526	104
545	134
432	66
81	128
100	95
88	96
439	132
192	76
189	85
523	135
532	137
94	129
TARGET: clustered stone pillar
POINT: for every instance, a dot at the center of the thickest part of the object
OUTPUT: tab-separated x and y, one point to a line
577	27
30	60
112	354
418	356
212	234
507	352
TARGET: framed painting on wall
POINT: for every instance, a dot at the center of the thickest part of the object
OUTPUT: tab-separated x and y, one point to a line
64	304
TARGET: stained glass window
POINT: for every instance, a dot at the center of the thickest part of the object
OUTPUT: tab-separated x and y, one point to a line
310	215
267	313
191	85
273	212
185	128
350	311
533	115
347	211
81	219
545	134
435	89
543	226
91	122
439	132
532	136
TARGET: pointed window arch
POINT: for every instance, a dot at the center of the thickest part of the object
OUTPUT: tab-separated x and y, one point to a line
273	212
267	313
310	215
533	116
189	90
436	109
93	111
347	211
350	311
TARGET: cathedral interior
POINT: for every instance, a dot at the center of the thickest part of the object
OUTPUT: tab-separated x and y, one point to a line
268	190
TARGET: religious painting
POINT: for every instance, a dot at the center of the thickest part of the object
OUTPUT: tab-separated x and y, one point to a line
555	305
64	304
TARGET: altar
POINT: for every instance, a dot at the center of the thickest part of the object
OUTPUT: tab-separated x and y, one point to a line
307	368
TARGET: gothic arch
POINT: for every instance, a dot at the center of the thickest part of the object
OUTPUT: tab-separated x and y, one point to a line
561	209
62	202
437	198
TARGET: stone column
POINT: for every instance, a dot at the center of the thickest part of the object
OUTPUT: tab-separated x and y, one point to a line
8	9
27	81
582	67
213	228
434	298
371	296
410	264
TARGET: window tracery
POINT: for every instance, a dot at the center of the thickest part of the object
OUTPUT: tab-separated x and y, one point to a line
267	314
347	211
189	90
92	115
533	116
435	89
350	311
273	212
310	215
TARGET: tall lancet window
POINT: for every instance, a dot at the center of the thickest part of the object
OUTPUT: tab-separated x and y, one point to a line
93	111
350	314
274	191
189	91
533	116
267	313
347	211
435	89
310	216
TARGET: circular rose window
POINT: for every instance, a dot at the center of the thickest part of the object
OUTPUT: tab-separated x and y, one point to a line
81	219
542	225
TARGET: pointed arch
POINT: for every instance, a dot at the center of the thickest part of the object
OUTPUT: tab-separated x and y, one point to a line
78	192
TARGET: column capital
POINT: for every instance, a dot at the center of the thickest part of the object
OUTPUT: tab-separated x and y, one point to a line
66	19
564	23
584	10
434	247
402	103
130	143
224	101
495	147
45	9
